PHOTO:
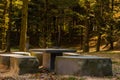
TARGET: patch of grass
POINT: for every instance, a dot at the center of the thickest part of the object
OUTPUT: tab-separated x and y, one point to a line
82	79
74	78
116	62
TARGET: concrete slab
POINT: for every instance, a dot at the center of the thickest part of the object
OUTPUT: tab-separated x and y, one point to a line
10	55
39	55
5	60
83	65
24	64
53	50
22	53
70	54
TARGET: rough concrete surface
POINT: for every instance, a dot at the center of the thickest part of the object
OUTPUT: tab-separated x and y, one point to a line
83	65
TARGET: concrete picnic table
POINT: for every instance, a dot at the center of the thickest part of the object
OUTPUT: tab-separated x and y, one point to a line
49	55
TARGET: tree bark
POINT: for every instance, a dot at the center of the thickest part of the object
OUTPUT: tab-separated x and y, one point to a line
98	42
24	25
86	29
86	40
45	27
111	27
8	45
4	25
98	15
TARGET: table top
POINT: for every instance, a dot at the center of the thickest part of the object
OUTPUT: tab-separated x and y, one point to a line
84	57
53	50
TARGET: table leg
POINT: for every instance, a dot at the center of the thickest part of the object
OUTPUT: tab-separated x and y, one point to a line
46	60
52	60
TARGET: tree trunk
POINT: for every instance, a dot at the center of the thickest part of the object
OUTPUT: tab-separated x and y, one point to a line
111	27
86	29
99	23
86	36
86	40
8	46
59	36
24	25
81	39
4	24
98	42
45	27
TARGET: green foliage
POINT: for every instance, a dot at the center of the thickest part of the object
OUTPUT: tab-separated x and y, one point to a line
71	15
17	3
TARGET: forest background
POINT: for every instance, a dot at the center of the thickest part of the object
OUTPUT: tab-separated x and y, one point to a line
80	24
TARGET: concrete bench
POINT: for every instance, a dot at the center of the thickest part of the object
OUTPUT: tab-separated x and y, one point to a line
39	55
70	54
24	64
5	60
22	53
83	65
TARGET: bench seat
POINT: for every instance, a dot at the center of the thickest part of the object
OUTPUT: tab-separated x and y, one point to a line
83	65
